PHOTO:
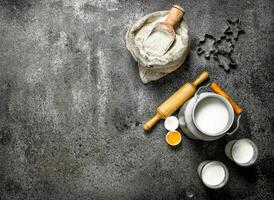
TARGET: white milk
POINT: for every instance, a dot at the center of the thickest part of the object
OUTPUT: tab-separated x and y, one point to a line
211	116
242	151
213	174
157	42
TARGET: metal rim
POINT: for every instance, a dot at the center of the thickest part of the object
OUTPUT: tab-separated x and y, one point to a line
225	178
254	157
228	105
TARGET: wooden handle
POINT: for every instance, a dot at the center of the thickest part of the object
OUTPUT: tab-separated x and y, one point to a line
175	15
150	123
203	76
215	87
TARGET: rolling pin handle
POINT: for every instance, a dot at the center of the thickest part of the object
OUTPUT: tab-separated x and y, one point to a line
203	76
150	123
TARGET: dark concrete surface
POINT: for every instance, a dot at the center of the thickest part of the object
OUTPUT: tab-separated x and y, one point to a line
72	103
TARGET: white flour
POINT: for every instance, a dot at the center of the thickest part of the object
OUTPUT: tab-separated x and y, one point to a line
211	116
213	174
242	151
157	43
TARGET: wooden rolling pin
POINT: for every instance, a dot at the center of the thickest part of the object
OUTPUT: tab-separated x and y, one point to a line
175	101
215	87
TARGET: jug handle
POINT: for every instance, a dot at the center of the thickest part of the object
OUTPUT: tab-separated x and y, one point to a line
237	127
200	89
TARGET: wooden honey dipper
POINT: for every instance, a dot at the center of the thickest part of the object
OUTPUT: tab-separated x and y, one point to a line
175	101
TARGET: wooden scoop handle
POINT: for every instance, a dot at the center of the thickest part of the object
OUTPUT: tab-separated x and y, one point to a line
175	15
215	87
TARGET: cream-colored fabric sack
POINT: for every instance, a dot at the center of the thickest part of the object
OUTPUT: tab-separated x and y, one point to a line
155	67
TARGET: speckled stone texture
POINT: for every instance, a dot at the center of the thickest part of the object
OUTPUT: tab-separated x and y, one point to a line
72	103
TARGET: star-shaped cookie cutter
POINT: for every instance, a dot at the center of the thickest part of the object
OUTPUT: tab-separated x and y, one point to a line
234	28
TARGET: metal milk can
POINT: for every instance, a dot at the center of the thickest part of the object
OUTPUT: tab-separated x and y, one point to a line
188	116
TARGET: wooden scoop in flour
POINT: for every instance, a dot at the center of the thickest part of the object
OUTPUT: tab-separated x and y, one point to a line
163	35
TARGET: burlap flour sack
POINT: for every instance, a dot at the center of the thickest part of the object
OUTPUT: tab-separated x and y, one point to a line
155	67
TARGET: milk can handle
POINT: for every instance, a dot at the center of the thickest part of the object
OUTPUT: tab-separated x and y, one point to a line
237	127
200	89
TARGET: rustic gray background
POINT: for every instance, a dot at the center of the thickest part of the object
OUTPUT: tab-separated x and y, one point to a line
72	103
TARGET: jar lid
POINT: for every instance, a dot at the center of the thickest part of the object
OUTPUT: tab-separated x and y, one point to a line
171	123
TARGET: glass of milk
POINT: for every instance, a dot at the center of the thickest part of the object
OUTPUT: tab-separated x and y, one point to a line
214	174
243	152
